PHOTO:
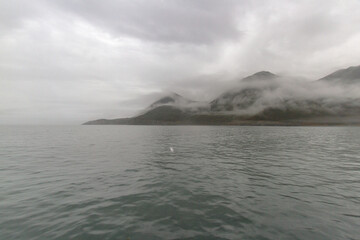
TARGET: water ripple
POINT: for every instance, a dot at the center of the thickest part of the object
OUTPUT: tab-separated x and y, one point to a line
123	182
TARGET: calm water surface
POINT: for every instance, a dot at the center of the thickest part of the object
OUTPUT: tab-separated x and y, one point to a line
123	182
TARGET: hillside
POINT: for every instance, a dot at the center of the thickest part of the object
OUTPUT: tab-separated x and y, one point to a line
261	99
349	75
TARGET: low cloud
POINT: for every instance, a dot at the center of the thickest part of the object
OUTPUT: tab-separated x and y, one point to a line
289	94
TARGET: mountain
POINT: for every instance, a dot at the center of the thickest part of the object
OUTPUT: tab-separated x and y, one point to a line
118	121
170	109
246	95
173	99
349	75
263	98
260	76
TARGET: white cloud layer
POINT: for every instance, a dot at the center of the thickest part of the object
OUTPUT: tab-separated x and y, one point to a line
66	62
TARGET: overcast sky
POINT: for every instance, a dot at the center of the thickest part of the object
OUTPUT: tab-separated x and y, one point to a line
66	62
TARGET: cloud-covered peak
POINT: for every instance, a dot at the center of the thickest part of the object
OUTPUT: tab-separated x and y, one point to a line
263	75
348	75
170	99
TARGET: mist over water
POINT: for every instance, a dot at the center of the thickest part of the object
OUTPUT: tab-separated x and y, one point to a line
124	182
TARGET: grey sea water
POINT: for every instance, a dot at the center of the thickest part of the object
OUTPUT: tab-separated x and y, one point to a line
123	182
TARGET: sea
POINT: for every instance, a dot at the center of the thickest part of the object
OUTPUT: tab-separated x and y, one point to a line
179	182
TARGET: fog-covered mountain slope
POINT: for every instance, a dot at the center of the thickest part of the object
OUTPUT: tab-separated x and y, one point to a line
172	99
263	98
169	108
246	94
260	76
349	75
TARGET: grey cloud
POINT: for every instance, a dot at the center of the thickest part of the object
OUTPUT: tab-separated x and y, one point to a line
14	13
71	61
196	22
